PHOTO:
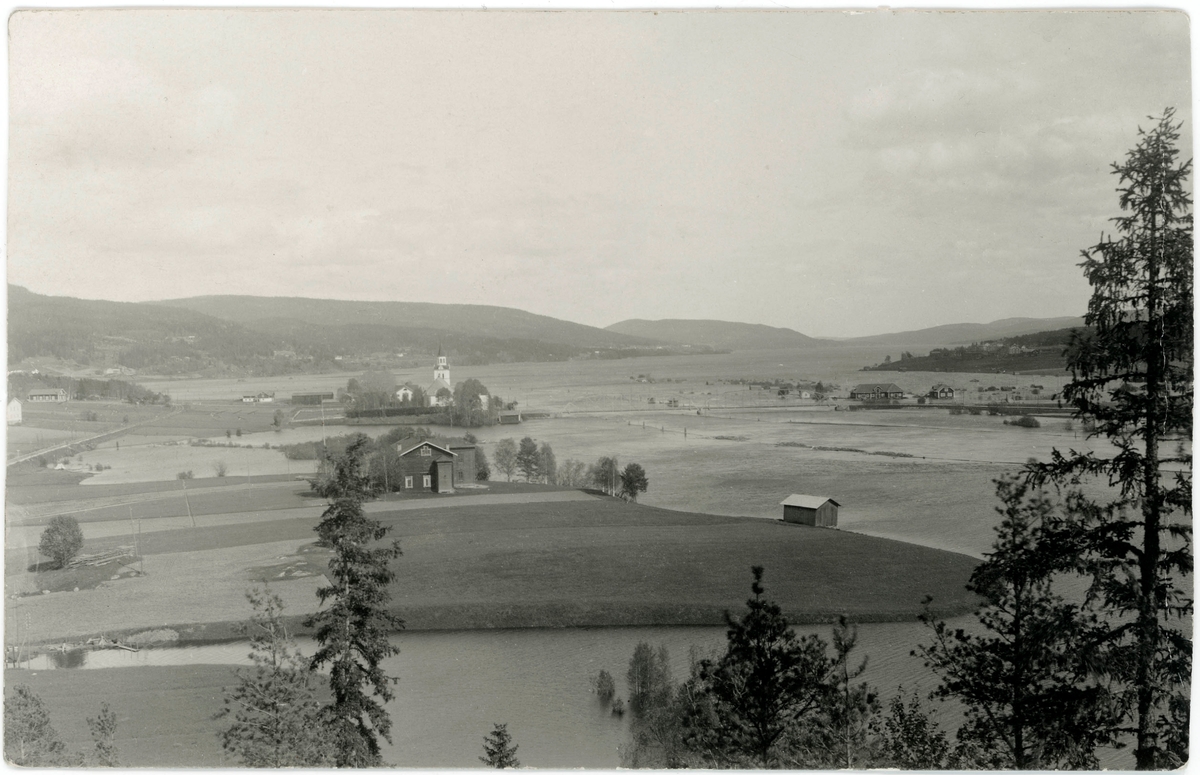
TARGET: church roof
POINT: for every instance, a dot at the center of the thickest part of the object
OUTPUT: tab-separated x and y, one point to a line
439	349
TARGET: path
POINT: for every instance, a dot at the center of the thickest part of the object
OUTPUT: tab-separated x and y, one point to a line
112	433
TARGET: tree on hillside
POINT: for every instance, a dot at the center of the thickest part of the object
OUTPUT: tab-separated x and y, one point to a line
274	706
768	681
61	540
547	465
353	626
911	739
505	457
1139	334
483	471
633	481
1030	703
847	734
104	734
29	738
499	750
571	474
529	460
604	475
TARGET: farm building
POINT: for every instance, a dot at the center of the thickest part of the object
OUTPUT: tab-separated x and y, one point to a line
813	510
941	391
511	418
56	396
14	412
874	391
435	467
314	399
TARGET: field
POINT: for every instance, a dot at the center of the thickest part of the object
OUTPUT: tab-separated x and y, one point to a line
527	559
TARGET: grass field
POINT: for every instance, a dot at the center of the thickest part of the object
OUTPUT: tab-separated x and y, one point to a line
591	562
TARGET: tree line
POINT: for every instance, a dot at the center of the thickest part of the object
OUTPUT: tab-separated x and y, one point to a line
537	463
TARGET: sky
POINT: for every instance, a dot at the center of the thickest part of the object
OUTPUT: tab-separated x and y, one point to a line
839	173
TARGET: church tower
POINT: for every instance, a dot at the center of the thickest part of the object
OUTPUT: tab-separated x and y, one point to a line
442	371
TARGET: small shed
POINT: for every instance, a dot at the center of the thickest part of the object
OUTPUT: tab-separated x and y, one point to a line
814	510
14	412
509	418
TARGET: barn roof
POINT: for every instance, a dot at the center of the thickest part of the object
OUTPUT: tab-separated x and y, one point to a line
410	446
807	501
871	387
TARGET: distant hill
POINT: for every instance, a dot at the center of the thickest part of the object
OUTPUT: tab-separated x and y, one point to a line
315	335
720	334
965	333
108	333
471	319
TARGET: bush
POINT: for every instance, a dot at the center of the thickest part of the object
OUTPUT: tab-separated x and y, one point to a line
219	468
1024	421
185	475
61	540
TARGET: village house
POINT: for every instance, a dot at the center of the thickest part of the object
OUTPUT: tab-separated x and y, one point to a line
14	412
431	466
56	396
405	393
875	391
941	392
812	510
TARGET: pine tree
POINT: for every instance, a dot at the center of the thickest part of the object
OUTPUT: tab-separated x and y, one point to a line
1132	374
633	481
352	631
768	681
29	739
274	704
1030	703
499	750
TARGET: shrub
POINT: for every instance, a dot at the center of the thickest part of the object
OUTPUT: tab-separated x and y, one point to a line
61	540
1024	421
185	475
219	468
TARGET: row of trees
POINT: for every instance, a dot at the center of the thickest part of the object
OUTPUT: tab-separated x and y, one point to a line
537	463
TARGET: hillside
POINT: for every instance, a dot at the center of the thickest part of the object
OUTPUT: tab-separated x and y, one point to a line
1044	351
111	333
966	333
171	338
470	319
720	334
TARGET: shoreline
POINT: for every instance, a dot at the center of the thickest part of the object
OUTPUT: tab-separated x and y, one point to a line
479	618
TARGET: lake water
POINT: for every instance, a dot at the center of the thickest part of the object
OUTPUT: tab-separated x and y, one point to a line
454	686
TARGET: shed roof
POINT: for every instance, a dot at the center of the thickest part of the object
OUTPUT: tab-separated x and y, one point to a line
807	501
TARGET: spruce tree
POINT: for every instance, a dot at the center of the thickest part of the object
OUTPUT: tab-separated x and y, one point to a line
1132	372
353	626
499	750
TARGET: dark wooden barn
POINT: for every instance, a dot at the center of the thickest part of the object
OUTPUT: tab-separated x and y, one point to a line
814	510
430	466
